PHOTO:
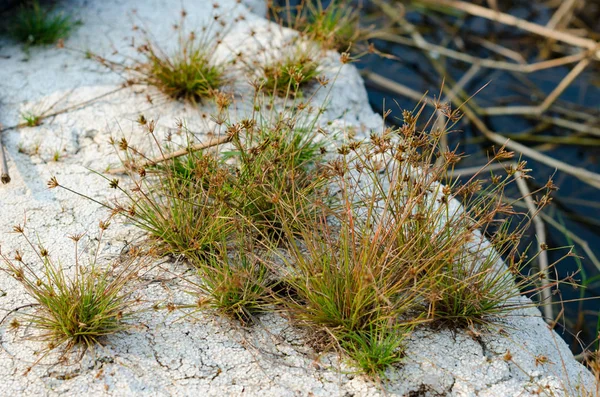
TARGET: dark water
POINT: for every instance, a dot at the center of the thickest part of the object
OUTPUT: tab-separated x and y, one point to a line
576	205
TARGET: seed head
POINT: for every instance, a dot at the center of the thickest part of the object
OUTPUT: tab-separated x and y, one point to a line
52	183
103	225
76	237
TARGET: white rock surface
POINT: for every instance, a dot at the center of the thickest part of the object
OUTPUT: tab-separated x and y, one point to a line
202	354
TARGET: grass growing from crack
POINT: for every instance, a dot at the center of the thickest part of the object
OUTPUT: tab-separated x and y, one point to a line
31	119
33	25
270	156
335	26
290	72
75	310
348	284
178	202
234	281
401	250
191	71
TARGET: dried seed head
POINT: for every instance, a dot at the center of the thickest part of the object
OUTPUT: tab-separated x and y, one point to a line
103	225
222	100
343	150
18	229
323	81
52	183
123	145
76	237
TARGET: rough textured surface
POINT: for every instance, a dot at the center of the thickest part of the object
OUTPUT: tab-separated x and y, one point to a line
171	353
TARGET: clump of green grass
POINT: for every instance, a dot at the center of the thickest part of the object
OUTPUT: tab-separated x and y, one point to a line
31	119
190	72
349	284
468	281
33	25
334	27
289	74
75	310
270	157
399	249
376	349
234	281
179	202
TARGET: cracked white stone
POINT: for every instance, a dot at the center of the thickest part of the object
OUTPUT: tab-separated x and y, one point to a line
203	354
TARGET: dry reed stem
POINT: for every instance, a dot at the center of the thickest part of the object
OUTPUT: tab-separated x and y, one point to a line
177	153
501	50
511	20
541	108
486	63
583	243
559	20
4	176
573	125
591	178
64	110
542	258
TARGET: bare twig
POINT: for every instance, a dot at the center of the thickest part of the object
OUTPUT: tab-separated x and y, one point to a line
541	108
67	109
4	176
540	231
511	20
589	177
575	126
589	253
485	63
560	19
177	153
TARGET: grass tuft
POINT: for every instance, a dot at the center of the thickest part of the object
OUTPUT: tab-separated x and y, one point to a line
75	309
180	203
376	349
291	73
190	73
31	119
334	27
235	282
34	25
398	249
271	157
